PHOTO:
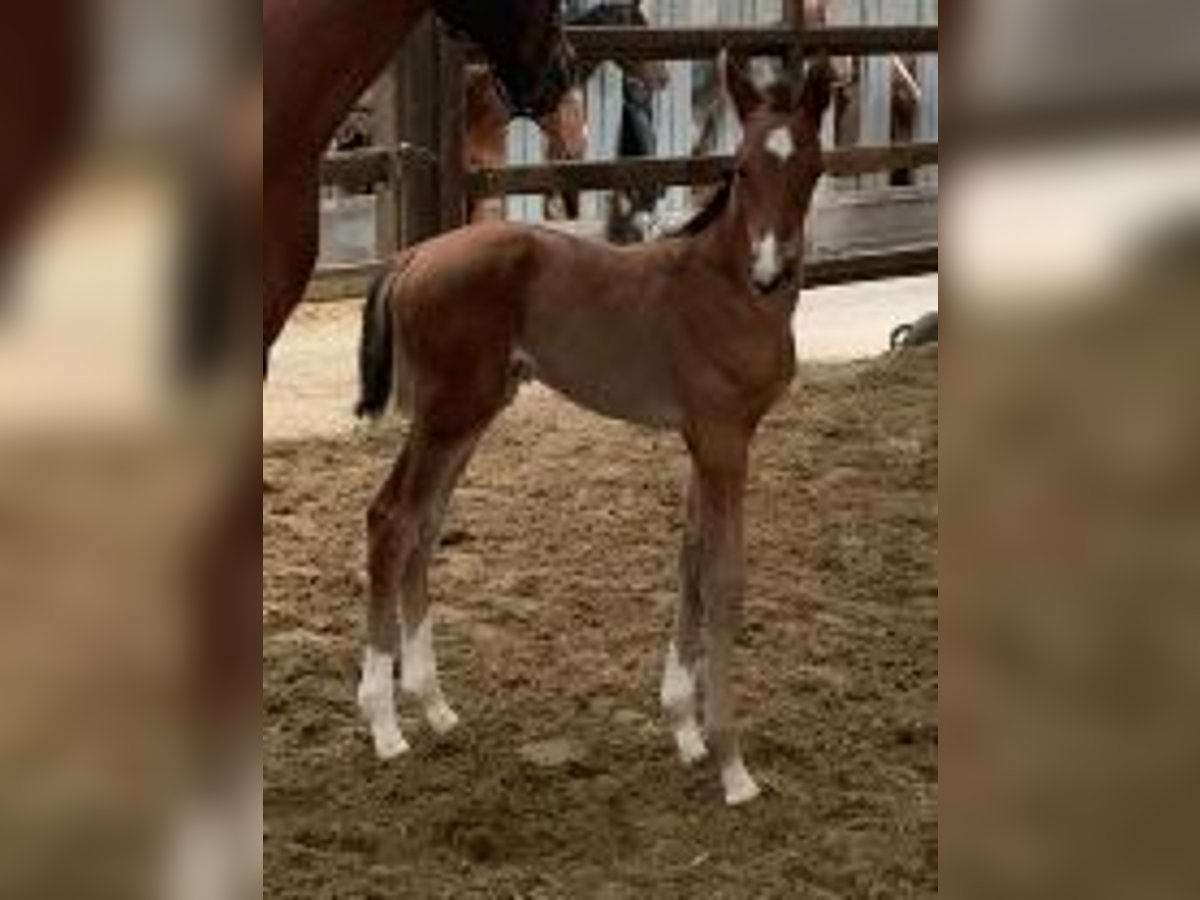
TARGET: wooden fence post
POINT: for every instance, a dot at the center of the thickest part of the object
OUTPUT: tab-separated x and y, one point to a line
451	114
876	93
419	133
793	64
927	77
385	112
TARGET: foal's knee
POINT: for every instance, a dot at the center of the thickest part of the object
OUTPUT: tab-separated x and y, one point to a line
723	602
385	523
379	516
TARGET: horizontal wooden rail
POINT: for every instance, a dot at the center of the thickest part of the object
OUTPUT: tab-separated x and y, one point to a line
361	169
346	281
897	262
624	43
595	44
354	169
640	173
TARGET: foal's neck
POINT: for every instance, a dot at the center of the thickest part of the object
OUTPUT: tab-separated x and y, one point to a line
724	249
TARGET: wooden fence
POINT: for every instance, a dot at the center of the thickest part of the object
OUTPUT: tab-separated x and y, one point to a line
416	174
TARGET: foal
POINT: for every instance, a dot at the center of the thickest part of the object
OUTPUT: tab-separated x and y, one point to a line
691	333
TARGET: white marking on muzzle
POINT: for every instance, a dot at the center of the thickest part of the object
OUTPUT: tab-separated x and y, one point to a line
780	143
767	264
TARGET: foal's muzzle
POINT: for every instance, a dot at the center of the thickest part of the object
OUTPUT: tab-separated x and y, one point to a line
786	279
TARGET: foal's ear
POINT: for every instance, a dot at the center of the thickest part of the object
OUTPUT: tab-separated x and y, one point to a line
816	91
741	90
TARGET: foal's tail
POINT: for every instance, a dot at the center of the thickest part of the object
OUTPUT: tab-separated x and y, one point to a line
377	347
376	357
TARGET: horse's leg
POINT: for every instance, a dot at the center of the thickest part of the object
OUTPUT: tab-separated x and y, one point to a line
399	528
486	147
438	465
290	244
720	455
906	98
377	689
564	138
685	654
403	526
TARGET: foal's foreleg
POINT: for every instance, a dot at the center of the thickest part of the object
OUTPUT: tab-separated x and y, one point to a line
722	585
680	684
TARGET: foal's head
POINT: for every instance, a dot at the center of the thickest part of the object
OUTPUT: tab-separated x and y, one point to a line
524	42
776	169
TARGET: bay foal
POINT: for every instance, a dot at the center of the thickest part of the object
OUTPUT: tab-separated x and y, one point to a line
691	333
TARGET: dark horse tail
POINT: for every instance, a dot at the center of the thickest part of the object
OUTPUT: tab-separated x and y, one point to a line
376	351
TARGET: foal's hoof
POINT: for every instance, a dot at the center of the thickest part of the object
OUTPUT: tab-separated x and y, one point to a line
389	742
739	787
441	718
690	744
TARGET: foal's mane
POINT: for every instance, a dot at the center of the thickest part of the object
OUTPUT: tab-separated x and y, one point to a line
710	212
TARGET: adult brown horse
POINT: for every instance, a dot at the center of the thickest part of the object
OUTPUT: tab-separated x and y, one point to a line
45	76
565	128
485	144
691	333
320	55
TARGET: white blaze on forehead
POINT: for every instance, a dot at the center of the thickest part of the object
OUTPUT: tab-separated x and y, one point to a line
760	74
766	262
780	143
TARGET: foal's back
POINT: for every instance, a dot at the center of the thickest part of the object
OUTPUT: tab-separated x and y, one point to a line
588	319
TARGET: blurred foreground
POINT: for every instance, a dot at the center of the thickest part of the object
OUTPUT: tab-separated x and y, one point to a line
1070	637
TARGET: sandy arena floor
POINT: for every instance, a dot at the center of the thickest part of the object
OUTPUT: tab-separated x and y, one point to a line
555	598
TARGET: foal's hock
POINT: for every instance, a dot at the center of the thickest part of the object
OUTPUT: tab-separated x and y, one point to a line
692	333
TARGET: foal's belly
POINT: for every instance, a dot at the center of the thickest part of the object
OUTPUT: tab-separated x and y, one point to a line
616	402
614	381
593	328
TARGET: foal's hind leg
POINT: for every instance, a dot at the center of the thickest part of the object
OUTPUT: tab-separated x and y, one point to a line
680	684
442	463
403	526
376	689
